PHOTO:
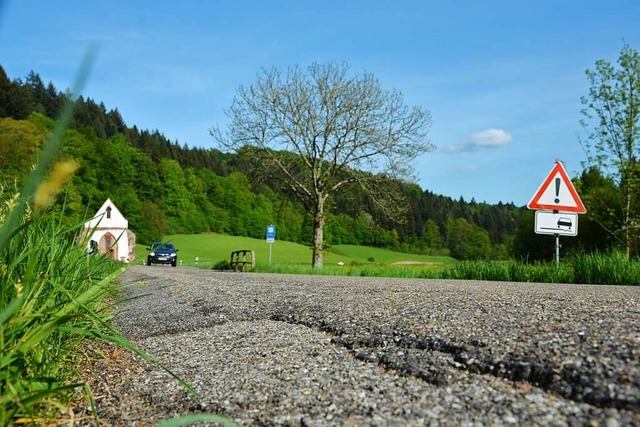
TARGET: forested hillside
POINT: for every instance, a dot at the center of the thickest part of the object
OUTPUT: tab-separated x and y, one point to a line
164	187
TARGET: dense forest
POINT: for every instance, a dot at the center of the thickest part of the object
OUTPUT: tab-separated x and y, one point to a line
163	187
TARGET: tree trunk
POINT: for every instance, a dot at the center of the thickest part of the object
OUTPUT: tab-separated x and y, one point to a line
627	218
318	234
627	221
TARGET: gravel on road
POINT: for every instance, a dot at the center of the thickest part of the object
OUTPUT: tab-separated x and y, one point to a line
317	350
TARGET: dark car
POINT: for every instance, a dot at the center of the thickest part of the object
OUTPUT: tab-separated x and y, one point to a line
162	253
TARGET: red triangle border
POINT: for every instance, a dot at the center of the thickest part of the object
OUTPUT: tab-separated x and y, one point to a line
535	201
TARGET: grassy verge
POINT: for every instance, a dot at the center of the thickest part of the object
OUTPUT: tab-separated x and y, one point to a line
510	271
612	269
54	299
54	295
377	270
213	250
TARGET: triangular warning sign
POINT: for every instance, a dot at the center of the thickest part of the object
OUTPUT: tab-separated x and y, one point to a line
557	193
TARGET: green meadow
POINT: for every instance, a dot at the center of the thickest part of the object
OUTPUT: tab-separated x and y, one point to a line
211	248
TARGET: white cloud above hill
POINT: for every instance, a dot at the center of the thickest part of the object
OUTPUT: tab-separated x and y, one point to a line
490	138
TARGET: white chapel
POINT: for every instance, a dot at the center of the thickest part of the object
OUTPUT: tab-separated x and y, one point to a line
110	234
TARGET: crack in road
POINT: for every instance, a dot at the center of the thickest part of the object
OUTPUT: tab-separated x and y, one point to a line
565	381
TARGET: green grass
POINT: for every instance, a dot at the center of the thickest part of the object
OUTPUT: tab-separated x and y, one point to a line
373	270
363	254
509	271
211	248
294	258
596	268
356	260
54	297
611	269
600	268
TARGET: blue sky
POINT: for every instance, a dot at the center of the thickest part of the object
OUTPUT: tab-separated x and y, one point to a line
502	79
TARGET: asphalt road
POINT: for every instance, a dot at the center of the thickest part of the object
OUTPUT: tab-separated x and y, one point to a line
314	350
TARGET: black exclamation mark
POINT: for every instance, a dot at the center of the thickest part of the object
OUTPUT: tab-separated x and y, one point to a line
557	200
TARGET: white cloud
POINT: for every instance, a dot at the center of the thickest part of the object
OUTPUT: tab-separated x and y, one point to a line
490	138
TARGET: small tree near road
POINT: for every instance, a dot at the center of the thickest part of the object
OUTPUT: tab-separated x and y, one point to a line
318	131
611	114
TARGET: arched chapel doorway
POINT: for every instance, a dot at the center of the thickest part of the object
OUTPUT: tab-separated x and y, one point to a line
109	246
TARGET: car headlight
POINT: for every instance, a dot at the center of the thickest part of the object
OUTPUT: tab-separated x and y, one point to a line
152	254
173	255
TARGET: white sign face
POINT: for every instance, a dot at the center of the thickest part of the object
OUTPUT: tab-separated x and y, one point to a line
561	223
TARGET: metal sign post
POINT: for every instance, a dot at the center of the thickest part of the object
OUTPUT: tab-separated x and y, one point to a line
271	237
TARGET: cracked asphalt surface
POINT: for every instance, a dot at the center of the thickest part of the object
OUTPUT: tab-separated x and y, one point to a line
317	350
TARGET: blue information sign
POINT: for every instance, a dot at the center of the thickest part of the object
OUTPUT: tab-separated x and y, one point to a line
271	233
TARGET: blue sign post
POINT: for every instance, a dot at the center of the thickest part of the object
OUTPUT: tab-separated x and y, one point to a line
271	237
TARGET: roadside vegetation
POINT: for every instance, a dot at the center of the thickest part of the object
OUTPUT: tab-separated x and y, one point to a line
213	251
53	295
601	269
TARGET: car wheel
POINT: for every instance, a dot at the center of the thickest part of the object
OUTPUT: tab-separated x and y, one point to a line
173	264
148	261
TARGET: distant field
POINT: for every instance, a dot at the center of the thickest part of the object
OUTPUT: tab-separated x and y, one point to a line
211	248
364	253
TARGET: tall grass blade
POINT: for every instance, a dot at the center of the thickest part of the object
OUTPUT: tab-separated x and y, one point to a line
48	152
197	419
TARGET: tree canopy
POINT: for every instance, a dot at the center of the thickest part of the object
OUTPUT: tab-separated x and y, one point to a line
611	115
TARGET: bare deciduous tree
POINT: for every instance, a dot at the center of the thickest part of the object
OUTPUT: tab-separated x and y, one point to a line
318	131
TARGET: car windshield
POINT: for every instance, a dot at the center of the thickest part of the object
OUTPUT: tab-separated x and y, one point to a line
161	246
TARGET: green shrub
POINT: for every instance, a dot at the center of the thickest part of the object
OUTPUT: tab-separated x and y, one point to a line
221	265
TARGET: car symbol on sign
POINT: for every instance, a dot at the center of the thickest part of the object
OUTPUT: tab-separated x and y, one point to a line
564	223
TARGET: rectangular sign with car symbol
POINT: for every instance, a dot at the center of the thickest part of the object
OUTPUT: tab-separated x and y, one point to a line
560	223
